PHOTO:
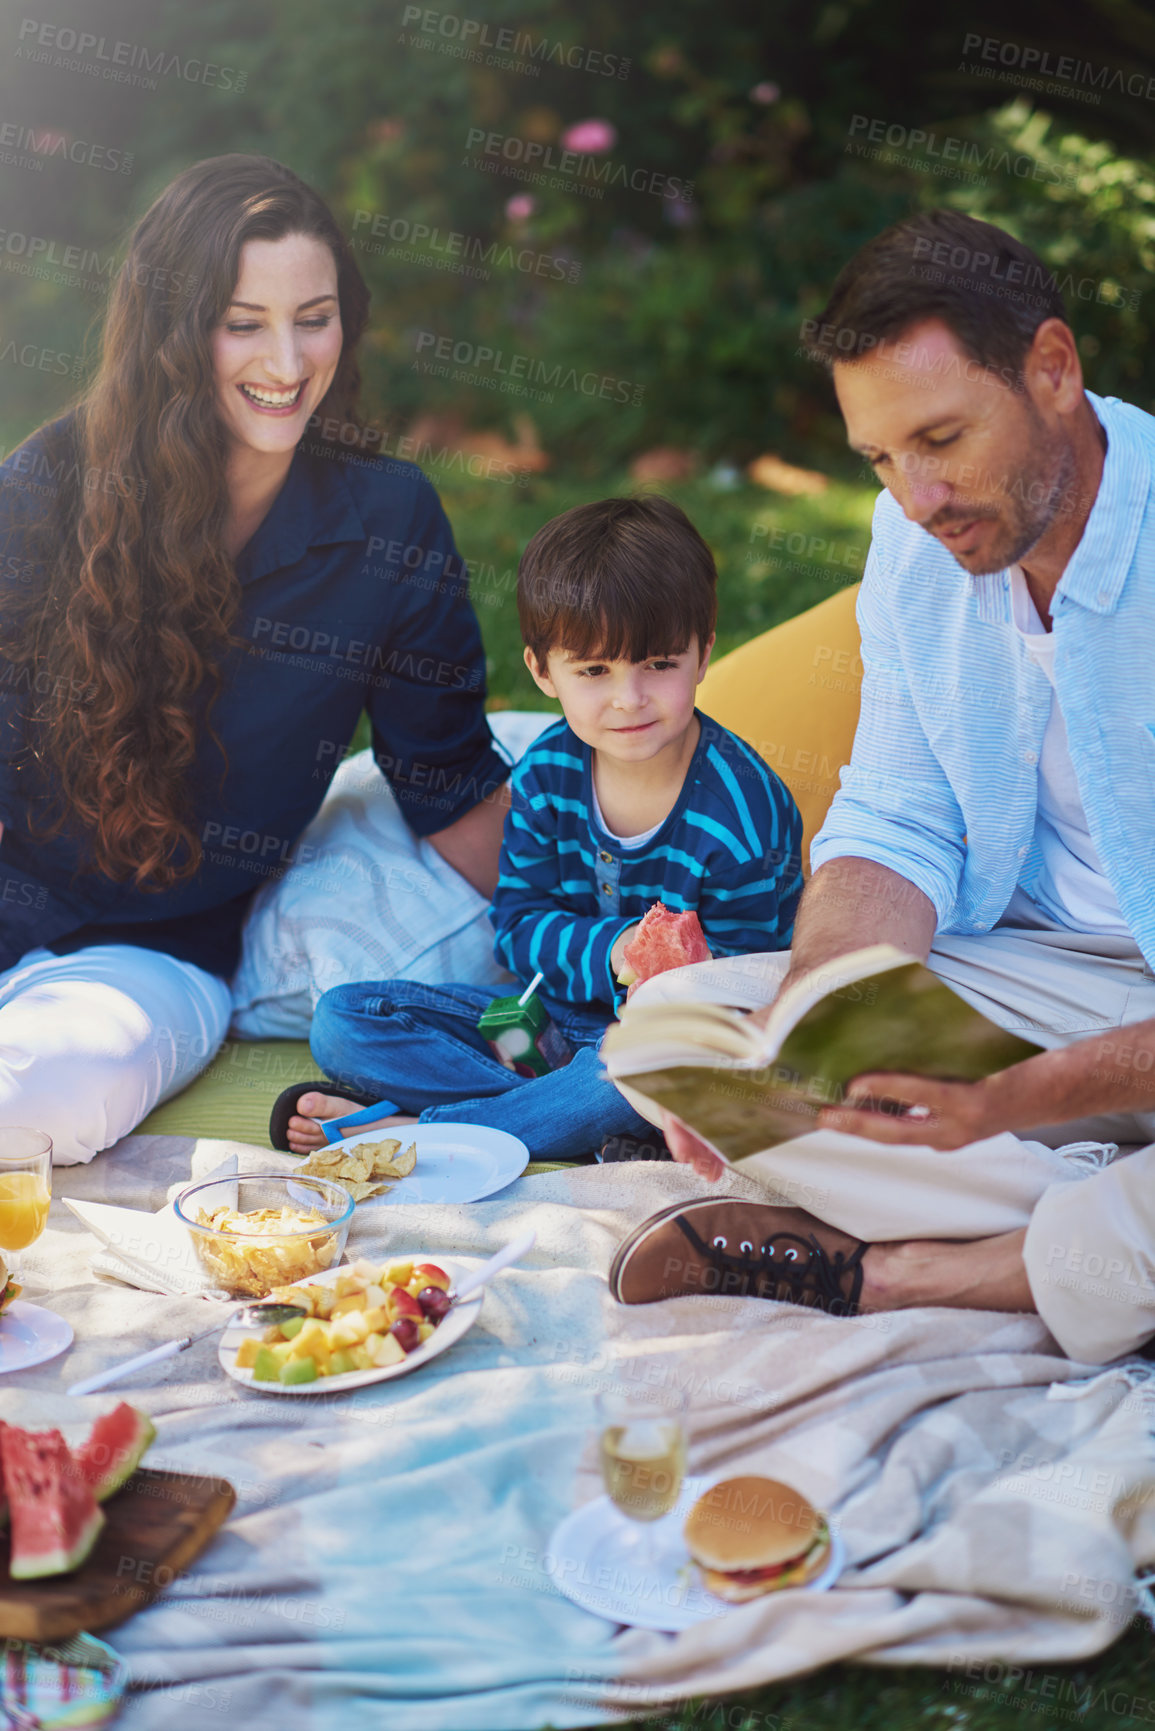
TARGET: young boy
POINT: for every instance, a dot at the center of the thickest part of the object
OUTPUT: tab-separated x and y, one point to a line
633	798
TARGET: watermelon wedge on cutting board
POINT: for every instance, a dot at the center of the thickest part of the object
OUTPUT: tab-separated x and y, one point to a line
161	1520
52	1512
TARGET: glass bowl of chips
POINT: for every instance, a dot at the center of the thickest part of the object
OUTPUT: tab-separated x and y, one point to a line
251	1234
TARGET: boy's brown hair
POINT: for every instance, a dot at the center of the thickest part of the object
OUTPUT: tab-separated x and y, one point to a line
623	579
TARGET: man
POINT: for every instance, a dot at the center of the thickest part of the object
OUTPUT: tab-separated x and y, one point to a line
998	814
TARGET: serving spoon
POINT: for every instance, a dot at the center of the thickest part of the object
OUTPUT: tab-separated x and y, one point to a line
248	1315
270	1313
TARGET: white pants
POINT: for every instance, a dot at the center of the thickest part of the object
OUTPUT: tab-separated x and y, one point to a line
91	1042
1090	1245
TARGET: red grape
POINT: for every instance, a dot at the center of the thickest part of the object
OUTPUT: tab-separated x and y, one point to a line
405	1330
434	1303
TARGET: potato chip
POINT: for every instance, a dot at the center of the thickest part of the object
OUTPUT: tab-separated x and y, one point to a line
359	1189
404	1163
359	1168
382	1153
325	1162
339	1163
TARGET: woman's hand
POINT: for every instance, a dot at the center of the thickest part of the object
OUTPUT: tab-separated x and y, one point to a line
889	1106
688	1147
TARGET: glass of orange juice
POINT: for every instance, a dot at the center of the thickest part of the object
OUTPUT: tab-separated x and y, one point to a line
25	1185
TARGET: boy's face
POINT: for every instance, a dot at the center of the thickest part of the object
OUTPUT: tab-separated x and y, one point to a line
629	710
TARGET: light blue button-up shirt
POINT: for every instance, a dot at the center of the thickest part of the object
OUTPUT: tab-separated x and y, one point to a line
942	786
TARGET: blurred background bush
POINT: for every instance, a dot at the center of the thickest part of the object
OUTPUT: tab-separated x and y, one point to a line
643	296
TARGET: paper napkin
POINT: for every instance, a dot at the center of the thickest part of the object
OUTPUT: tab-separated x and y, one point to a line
151	1251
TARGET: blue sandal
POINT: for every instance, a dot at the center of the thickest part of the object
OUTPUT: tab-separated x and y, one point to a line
285	1107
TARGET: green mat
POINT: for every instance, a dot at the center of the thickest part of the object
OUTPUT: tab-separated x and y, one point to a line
232	1099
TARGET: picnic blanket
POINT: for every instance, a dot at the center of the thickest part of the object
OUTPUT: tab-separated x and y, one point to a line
388	1561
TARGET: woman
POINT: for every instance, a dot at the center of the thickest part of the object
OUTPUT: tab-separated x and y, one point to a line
203	590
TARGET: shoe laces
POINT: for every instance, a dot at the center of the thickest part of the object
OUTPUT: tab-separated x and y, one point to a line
810	1274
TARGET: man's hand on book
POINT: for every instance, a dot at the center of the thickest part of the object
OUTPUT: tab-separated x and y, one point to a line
688	1147
888	1106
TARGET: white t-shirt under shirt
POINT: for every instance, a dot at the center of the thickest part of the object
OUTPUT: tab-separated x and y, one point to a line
1071	887
624	841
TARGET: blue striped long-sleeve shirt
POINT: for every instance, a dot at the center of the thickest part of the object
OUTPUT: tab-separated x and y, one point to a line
731	849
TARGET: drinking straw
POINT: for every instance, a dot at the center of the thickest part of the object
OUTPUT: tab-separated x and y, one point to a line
529	991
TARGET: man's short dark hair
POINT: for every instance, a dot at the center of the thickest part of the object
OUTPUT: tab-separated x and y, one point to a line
990	290
626	579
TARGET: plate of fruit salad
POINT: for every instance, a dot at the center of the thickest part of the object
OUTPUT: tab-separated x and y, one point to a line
367	1322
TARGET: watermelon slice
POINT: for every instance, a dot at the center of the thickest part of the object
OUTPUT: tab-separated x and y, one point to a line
55	1520
664	940
113	1449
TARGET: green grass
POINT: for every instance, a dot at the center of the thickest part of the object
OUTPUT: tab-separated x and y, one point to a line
1115	1692
775	556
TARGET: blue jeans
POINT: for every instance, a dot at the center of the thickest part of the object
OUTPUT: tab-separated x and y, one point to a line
419	1045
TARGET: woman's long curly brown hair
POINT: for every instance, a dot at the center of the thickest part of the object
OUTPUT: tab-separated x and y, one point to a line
138	594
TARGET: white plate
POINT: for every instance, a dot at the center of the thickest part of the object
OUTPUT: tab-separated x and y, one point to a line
671	1599
30	1335
459	1321
455	1162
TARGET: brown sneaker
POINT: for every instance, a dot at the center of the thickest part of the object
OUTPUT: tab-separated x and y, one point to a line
736	1249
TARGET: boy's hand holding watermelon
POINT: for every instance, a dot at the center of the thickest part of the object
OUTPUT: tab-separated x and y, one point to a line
661	941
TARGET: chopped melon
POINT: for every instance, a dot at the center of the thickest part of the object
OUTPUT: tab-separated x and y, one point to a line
266	1366
297	1371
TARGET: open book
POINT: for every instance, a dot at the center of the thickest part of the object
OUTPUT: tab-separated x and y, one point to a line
745	1088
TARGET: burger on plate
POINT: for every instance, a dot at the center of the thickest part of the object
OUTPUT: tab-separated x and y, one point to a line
8	1288
751	1535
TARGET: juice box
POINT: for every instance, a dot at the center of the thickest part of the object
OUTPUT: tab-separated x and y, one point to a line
523	1037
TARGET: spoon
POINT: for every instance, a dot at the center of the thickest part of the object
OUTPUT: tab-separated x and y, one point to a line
247	1315
270	1313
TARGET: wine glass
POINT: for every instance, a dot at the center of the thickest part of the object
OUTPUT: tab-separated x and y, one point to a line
25	1185
643	1458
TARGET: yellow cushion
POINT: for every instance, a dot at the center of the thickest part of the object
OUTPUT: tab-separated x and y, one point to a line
793	695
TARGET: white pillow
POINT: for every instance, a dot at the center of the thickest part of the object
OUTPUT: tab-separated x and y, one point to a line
365	899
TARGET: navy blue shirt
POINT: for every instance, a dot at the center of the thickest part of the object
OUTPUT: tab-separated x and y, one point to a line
353	597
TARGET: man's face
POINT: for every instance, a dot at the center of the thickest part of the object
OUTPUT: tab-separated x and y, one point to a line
979	465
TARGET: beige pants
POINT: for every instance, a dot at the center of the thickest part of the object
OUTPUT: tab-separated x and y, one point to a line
1090	1247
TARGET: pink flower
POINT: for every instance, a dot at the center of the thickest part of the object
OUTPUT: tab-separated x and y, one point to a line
589	137
765	93
520	207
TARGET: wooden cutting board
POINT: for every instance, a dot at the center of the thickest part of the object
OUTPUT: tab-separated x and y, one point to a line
154	1526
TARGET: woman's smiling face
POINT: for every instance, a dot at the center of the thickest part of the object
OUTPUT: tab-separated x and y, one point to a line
276	349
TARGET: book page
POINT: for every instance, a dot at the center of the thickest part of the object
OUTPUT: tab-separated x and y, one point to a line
903	1018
